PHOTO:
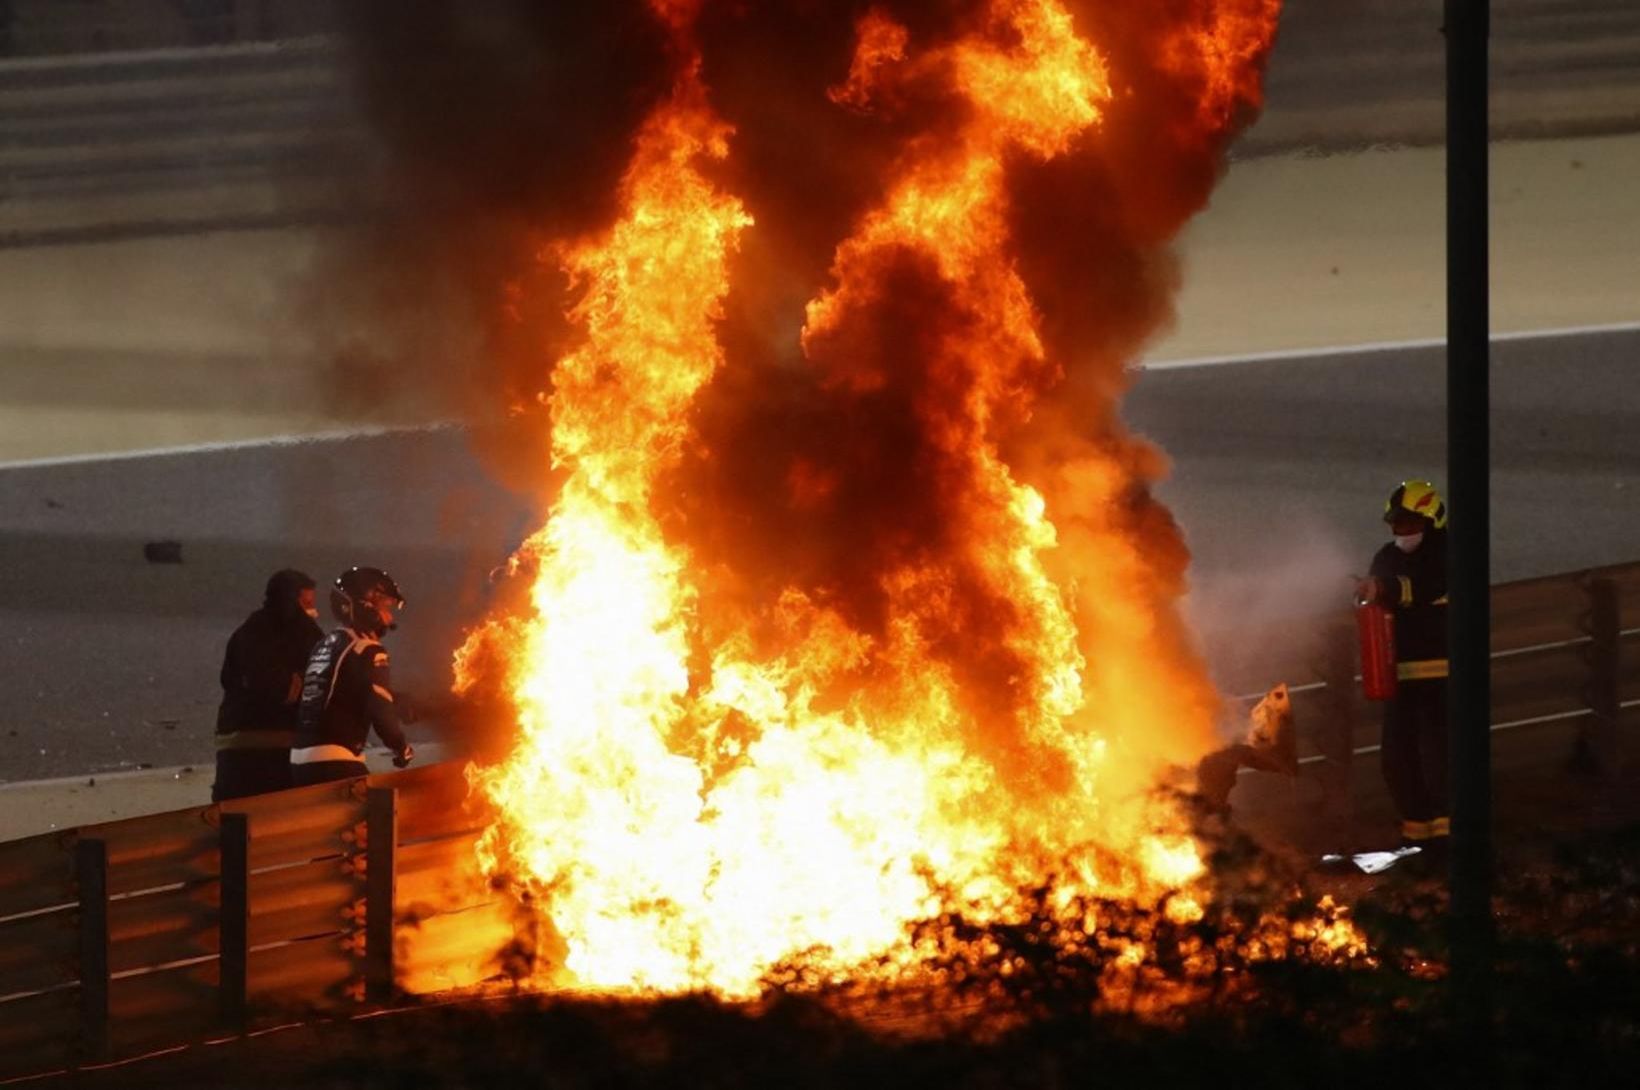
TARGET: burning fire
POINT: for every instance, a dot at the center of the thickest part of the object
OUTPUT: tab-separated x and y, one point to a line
720	770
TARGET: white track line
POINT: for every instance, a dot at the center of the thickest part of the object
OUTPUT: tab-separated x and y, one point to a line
334	436
1374	347
1366	349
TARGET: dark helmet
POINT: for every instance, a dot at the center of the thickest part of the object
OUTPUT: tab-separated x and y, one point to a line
1417	498
284	587
356	595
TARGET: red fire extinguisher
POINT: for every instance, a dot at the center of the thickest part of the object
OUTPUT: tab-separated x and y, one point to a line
1376	625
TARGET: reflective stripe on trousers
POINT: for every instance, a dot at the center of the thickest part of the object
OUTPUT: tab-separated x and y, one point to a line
314	754
256	739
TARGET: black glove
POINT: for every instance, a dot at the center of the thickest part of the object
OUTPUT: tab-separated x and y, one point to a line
403	757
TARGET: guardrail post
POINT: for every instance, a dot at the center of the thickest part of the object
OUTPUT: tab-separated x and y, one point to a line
1337	741
91	872
382	818
234	920
1599	742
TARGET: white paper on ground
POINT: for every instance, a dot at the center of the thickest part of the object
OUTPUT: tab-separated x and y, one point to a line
1373	862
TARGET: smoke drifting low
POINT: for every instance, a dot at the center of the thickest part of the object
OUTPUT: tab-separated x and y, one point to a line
499	126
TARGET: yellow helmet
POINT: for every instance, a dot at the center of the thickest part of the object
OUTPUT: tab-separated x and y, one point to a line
1417	498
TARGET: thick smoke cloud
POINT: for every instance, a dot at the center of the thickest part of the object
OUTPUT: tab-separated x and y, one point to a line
499	126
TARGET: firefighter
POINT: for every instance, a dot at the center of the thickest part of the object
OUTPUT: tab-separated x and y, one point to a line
346	690
261	684
1408	576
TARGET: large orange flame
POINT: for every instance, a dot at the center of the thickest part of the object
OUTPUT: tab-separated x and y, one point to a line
702	789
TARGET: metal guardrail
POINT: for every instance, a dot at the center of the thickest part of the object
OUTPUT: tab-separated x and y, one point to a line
134	936
1565	677
131	936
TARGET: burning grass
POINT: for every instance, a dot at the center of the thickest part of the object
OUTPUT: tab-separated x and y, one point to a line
1142	948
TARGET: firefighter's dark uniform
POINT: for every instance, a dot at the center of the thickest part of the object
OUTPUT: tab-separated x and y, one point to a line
256	722
1414	750
345	692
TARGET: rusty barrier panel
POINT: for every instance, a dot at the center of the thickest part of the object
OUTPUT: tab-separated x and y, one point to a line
1317	712
39	951
1525	614
160	1008
439	875
153	938
303	823
456	949
39	1033
1541	746
296	979
1537	749
1537	611
159	849
1624	742
162	926
1534	684
36	873
1328	717
305	927
1628	669
1248	661
322	897
451	929
1626	579
1540	663
1629	664
433	800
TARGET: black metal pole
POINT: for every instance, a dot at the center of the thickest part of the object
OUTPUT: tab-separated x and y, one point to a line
91	873
381	843
1468	479
234	921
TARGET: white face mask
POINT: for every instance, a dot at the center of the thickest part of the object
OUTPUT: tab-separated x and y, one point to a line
1408	542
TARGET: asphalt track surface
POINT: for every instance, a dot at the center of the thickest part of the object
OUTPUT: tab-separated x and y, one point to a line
1281	467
